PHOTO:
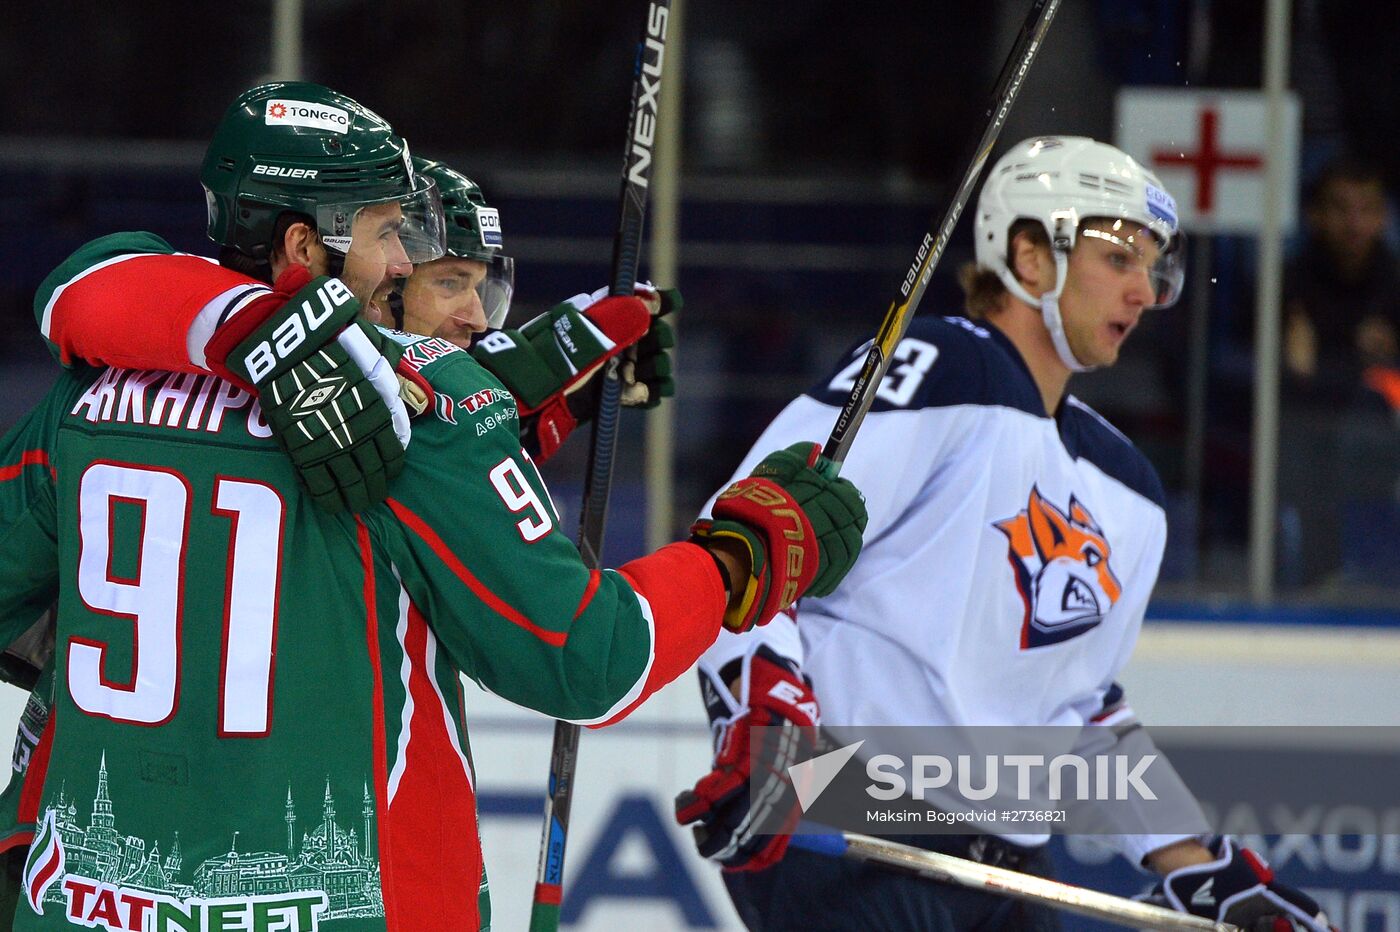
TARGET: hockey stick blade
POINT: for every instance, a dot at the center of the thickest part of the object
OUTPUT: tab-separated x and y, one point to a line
627	245
961	872
911	290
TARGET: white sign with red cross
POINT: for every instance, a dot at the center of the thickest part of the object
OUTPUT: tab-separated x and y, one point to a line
1209	148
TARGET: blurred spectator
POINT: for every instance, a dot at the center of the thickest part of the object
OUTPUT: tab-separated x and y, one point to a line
1341	368
1342	291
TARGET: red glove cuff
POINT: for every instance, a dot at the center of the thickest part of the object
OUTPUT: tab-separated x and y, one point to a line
793	557
623	319
553	424
776	689
235	331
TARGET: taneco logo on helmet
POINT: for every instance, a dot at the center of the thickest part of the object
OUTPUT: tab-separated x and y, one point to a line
300	113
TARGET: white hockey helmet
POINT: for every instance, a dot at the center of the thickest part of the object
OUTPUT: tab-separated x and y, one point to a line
1060	182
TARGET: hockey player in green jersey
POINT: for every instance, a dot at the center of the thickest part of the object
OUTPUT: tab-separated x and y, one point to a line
188	536
296	174
257	177
548	363
291	169
467	257
258	724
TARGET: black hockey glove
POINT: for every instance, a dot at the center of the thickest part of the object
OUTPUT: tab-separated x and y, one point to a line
1238	887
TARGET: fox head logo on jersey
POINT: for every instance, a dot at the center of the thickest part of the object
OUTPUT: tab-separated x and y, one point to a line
1061	562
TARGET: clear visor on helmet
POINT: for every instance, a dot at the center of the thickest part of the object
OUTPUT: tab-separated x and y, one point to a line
407	230
496	290
1133	248
455	298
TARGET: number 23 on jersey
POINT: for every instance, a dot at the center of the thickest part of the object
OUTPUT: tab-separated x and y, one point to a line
910	362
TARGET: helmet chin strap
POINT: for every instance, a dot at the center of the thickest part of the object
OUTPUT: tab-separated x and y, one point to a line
1050	311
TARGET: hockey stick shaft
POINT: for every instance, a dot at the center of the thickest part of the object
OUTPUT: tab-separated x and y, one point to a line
911	290
627	245
961	872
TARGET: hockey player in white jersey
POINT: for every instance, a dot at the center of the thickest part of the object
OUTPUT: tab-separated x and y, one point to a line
1014	540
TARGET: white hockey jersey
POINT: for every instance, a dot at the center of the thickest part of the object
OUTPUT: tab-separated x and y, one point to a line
1009	556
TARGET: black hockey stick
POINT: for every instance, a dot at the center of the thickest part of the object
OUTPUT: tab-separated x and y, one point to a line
911	290
627	247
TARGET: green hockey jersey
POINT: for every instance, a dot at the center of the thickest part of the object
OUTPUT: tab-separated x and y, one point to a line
257	722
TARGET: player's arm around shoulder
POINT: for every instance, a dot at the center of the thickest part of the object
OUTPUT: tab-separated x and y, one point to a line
129	299
478	544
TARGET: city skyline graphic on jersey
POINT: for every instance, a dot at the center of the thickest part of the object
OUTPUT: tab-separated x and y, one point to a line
342	865
1061	562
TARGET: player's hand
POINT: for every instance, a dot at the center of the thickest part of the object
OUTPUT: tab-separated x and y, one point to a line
646	365
1238	887
800	530
326	384
550	364
729	827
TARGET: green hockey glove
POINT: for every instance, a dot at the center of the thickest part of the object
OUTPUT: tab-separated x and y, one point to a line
549	364
646	366
802	532
326	384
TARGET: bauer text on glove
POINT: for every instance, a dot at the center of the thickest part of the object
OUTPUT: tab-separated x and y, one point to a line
799	529
329	395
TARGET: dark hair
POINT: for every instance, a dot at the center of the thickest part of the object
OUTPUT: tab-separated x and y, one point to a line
1346	168
260	267
983	291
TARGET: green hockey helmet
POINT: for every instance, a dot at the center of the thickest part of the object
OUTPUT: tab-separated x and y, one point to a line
474	232
302	147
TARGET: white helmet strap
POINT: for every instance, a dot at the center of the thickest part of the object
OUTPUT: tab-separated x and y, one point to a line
1054	322
1049	304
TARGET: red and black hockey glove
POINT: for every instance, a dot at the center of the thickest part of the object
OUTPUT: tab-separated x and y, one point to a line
745	809
326	384
549	364
801	530
1238	887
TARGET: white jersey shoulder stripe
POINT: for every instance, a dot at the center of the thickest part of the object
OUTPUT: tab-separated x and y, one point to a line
1075	402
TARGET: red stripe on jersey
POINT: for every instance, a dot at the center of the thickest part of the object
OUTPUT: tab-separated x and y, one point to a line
15	839
550	894
594	578
494	602
27	458
682	585
136	313
437	860
35	774
381	755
